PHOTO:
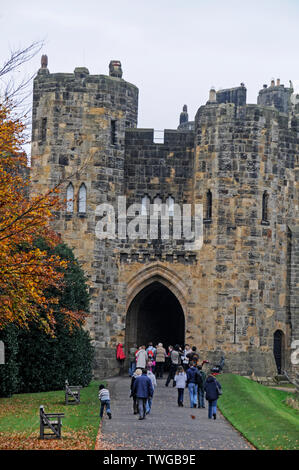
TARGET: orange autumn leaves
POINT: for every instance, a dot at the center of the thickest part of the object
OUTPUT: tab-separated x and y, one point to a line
26	272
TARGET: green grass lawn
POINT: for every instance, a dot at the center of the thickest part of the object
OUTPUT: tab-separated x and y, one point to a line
19	416
259	413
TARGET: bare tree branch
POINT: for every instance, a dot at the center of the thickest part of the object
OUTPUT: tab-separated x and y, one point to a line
20	57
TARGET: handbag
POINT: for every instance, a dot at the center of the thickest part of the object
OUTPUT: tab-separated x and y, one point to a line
219	391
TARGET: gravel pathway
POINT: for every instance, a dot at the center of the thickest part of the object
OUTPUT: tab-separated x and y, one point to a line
167	427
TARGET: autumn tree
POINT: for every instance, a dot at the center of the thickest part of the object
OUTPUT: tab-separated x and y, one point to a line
26	271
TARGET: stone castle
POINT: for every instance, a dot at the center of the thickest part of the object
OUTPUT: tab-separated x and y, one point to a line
238	295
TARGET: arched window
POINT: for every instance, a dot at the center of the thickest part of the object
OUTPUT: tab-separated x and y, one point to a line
82	199
70	198
170	204
209	205
265	215
158	201
145	203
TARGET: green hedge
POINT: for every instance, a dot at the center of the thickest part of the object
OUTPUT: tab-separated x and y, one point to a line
36	362
45	363
9	377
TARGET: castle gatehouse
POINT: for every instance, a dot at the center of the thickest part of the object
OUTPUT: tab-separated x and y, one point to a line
236	291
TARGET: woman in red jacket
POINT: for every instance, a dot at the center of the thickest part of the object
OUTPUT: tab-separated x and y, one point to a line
120	356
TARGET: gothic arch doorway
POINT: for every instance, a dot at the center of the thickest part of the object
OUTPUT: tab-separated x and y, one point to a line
278	348
155	314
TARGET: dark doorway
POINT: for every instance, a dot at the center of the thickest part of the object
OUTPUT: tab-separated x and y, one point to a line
278	350
155	315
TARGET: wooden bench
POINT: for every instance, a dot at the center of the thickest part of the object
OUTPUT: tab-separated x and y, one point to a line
72	394
51	422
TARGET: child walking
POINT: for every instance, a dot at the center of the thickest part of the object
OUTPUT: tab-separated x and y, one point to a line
180	379
104	397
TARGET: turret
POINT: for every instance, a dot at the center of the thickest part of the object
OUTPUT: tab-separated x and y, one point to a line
276	96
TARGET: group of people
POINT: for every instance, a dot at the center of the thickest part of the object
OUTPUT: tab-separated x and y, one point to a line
146	365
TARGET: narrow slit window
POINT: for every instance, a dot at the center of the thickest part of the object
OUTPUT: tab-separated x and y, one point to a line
113	132
82	199
209	205
265	215
70	198
43	130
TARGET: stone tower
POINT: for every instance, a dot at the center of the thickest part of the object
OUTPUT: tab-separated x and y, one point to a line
238	294
78	136
246	158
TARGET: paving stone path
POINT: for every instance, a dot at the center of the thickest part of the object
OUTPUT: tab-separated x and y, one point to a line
167	427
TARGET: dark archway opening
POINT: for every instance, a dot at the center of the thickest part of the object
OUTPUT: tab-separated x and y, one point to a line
278	349
155	315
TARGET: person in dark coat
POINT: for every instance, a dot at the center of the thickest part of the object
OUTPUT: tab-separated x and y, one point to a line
193	355
192	384
201	380
213	390
143	389
137	373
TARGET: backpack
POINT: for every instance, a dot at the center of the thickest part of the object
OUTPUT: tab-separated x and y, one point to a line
199	378
150	354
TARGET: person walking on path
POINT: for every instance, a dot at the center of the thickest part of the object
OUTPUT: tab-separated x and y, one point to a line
143	390
185	358
104	397
120	356
193	355
213	390
141	358
201	380
137	373
168	359
151	375
151	363
132	360
151	351
160	361
175	362
180	379
192	384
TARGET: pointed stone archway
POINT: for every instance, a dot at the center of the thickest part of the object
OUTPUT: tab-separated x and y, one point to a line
156	308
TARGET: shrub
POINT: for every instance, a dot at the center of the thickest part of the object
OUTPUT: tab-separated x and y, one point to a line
46	362
9	379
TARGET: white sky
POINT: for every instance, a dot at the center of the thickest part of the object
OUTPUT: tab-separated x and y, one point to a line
173	51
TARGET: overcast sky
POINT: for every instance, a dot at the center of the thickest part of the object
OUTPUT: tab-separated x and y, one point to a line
173	51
